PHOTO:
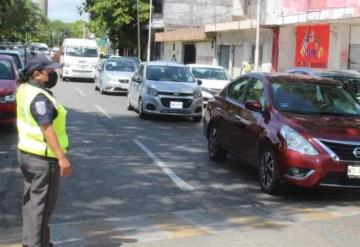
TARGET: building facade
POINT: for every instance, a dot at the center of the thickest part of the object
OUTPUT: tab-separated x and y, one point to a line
43	4
312	33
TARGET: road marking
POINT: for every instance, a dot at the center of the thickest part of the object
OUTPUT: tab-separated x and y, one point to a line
177	180
80	92
103	111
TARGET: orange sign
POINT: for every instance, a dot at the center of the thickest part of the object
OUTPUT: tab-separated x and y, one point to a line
312	46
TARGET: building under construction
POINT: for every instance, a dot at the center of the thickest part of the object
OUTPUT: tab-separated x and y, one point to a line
44	6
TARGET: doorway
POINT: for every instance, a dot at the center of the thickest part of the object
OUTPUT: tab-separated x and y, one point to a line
189	53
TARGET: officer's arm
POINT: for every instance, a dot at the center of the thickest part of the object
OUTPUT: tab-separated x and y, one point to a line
53	142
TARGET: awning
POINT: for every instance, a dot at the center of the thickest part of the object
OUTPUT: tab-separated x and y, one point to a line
231	26
183	34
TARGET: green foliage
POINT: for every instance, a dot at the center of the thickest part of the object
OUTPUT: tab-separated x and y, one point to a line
22	20
117	19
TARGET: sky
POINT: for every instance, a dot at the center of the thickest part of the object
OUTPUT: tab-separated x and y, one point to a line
65	10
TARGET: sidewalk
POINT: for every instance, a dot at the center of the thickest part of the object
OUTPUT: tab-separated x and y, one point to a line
237	226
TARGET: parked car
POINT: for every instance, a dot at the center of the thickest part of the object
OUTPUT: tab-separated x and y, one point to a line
214	78
17	58
165	88
8	78
294	129
349	78
114	75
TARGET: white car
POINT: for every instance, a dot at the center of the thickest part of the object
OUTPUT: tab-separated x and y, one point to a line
114	75
214	78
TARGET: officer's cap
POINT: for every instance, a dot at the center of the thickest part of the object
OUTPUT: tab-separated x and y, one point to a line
39	62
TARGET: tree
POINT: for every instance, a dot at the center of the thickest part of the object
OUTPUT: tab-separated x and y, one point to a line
21	20
118	20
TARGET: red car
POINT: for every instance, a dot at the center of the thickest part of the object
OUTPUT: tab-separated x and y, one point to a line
295	129
8	78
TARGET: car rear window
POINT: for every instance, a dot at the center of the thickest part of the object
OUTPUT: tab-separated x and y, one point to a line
6	70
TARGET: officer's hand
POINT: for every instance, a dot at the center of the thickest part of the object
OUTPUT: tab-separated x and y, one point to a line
65	167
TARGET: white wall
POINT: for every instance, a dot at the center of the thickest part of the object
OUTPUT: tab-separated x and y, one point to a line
246	39
287	43
205	53
169	51
339	46
191	13
355	35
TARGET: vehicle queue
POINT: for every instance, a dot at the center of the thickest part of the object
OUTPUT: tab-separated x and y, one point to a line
301	127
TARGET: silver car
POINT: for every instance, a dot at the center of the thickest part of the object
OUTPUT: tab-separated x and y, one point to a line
113	75
165	88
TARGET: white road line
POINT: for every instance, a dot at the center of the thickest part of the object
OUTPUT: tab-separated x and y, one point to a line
103	111
178	181
80	92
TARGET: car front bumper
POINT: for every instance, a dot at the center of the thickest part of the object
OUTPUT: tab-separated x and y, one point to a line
322	170
115	87
161	105
77	73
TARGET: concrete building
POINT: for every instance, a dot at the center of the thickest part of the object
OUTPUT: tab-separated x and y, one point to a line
332	31
314	33
183	34
43	4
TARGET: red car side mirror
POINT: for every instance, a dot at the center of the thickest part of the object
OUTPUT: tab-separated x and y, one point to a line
253	105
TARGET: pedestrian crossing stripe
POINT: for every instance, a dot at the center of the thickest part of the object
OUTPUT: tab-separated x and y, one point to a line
179	224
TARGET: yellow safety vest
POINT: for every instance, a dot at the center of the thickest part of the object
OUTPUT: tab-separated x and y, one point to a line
31	138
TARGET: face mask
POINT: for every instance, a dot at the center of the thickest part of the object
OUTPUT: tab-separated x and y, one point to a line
53	77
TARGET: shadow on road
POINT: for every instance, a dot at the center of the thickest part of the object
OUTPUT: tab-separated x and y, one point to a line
112	177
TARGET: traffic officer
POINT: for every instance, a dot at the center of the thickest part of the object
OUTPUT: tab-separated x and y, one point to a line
42	147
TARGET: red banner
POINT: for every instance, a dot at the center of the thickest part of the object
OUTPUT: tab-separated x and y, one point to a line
312	46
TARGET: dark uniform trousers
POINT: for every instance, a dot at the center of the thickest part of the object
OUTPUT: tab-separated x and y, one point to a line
41	180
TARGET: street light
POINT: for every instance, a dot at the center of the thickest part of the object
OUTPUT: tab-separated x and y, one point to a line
149	38
256	67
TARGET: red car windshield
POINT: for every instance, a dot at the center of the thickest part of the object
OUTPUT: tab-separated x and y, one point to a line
312	98
6	70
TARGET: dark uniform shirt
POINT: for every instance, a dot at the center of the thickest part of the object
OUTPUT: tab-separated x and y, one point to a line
42	109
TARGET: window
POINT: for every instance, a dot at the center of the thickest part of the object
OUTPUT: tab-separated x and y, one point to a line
169	73
236	89
6	70
256	91
141	72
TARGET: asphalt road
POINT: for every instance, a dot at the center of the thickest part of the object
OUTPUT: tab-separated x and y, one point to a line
124	166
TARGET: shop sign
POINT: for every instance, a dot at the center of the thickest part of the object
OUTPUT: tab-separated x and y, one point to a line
312	46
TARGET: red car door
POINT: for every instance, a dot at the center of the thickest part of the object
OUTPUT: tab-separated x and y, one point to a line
251	123
228	131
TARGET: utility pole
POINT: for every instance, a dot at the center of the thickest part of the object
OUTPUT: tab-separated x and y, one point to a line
84	31
138	29
149	39
256	66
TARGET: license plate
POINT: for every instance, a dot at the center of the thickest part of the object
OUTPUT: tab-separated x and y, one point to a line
176	105
353	171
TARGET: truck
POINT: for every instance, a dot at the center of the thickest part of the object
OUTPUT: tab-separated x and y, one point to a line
80	58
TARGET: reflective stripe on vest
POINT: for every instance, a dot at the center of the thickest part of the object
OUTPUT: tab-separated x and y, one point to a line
31	138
